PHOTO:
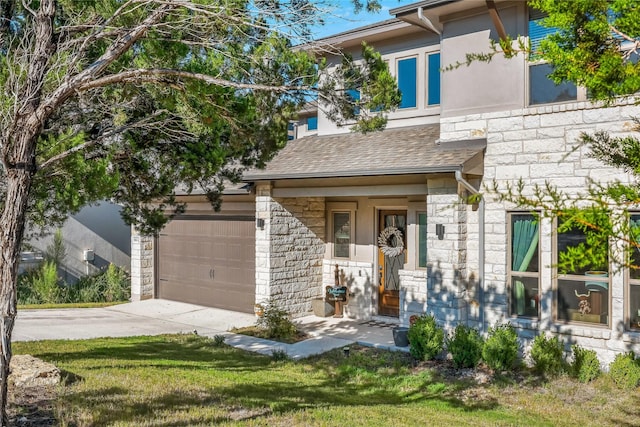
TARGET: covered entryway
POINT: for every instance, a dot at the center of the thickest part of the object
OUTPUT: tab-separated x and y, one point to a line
208	260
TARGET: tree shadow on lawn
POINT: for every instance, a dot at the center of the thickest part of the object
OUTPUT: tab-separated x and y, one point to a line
370	377
163	351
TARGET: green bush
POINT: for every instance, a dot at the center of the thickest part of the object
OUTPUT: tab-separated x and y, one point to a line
426	338
625	371
548	355
109	285
41	286
465	347
500	351
276	323
585	366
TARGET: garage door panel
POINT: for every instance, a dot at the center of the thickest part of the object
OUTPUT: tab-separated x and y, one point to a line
208	262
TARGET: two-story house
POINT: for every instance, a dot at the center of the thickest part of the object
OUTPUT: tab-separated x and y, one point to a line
389	207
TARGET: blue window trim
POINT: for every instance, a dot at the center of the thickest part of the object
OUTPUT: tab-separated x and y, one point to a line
408	82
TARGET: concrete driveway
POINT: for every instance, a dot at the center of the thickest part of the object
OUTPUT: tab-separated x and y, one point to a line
150	317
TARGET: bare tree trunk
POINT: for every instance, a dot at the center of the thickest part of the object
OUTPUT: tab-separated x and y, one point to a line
12	221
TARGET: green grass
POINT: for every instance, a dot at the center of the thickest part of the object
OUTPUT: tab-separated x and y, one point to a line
185	380
69	305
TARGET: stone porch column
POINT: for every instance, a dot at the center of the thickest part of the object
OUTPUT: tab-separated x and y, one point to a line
142	279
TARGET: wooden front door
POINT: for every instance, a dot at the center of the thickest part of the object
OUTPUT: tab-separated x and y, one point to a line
391	258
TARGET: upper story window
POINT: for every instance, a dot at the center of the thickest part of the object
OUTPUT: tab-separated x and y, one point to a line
433	79
581	288
524	265
312	123
407	82
543	90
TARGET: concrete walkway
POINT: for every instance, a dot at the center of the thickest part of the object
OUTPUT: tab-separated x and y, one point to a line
155	317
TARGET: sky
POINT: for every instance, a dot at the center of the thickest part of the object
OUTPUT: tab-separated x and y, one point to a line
343	18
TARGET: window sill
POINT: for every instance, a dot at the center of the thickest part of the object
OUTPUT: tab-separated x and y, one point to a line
631	337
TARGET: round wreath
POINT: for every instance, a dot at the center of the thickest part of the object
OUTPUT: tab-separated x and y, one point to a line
390	242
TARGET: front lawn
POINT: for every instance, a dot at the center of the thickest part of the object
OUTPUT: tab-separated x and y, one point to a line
186	380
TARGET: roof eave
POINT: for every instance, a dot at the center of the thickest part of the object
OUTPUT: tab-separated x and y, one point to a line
355	173
427	4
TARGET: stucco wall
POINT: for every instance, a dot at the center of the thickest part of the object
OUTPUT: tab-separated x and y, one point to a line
99	228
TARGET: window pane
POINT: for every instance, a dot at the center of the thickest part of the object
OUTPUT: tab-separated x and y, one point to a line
543	90
524	242
422	240
524	296
433	88
354	94
634	269
634	305
341	234
312	123
407	74
572	243
537	32
583	301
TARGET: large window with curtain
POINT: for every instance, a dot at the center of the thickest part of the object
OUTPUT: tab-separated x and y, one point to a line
633	283
523	261
582	287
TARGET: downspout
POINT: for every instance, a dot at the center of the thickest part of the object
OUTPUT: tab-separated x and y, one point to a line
472	190
426	21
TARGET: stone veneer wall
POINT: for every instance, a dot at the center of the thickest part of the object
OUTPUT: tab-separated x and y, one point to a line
289	250
359	280
537	145
447	282
142	282
413	294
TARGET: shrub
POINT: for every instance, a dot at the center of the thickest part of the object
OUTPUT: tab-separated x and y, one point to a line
109	285
426	338
40	286
585	366
279	355
117	286
500	351
625	371
276	323
465	347
218	340
548	355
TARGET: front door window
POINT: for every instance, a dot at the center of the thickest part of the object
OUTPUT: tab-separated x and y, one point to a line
392	232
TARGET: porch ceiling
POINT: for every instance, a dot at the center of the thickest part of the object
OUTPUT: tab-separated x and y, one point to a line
399	151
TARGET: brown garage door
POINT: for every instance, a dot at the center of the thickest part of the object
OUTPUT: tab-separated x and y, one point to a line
208	260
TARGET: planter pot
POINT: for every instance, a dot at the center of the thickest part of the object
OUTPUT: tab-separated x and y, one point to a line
401	336
322	308
258	310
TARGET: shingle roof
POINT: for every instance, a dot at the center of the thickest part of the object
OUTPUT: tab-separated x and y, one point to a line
408	150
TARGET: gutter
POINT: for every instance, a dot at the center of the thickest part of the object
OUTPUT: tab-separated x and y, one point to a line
427	22
481	243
